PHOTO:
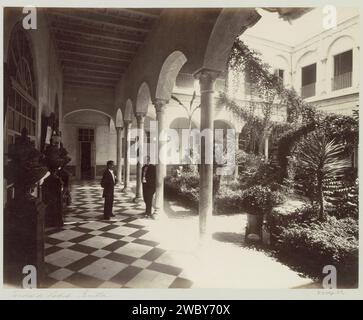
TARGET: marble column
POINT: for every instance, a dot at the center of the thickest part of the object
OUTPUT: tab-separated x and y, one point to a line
266	149
127	126
356	67
236	150
140	117
207	79
119	154
160	106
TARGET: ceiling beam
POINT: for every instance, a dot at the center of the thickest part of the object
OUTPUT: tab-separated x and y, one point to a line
92	38
94	43
82	30
147	13
111	21
90	80
104	53
100	59
68	62
85	75
82	70
84	84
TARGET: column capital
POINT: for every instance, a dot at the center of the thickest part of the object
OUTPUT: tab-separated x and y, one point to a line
205	72
127	123
160	104
140	116
207	78
119	128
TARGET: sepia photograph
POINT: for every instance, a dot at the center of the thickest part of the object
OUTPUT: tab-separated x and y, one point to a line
180	147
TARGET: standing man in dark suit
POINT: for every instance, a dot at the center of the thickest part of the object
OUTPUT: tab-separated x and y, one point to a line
148	185
108	183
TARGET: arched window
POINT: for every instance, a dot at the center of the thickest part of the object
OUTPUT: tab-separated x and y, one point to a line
22	99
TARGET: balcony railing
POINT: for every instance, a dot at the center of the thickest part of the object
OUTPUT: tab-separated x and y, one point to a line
308	90
342	81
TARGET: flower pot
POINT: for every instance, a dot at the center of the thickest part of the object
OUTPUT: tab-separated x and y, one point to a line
254	227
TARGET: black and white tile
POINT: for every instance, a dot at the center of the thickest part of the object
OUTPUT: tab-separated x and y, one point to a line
89	252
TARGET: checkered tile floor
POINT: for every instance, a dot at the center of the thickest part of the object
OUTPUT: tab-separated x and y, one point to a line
93	253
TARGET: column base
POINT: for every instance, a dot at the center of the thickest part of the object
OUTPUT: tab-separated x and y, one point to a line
126	190
159	214
138	199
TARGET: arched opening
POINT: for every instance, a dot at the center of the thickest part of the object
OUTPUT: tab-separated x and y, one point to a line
89	136
236	21
129	112
119	119
168	73
143	99
150	117
224	143
21	100
180	152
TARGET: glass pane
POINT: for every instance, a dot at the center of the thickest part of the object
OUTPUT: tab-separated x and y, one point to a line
10	139
28	110
11	119
17	102
22	123
17	122
12	98
33	113
23	107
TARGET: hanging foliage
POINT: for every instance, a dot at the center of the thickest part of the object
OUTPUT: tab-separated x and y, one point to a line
267	86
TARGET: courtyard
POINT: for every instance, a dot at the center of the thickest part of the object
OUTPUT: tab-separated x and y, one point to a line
96	92
133	252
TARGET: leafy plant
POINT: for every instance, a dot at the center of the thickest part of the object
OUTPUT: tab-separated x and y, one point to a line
315	244
260	200
319	160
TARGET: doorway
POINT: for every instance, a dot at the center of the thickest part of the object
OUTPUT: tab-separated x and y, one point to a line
86	167
86	150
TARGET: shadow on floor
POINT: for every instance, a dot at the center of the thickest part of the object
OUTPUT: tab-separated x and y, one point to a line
229	237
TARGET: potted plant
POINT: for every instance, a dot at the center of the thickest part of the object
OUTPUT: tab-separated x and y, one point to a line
258	201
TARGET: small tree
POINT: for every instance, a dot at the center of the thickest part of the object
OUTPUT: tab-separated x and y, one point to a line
190	110
320	160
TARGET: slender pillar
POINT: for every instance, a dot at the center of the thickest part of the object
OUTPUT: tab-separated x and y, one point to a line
127	157
207	80
237	150
160	106
140	117
356	68
119	153
266	148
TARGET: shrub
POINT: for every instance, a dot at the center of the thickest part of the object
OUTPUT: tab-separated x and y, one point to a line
185	186
332	242
277	221
260	199
268	175
229	199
